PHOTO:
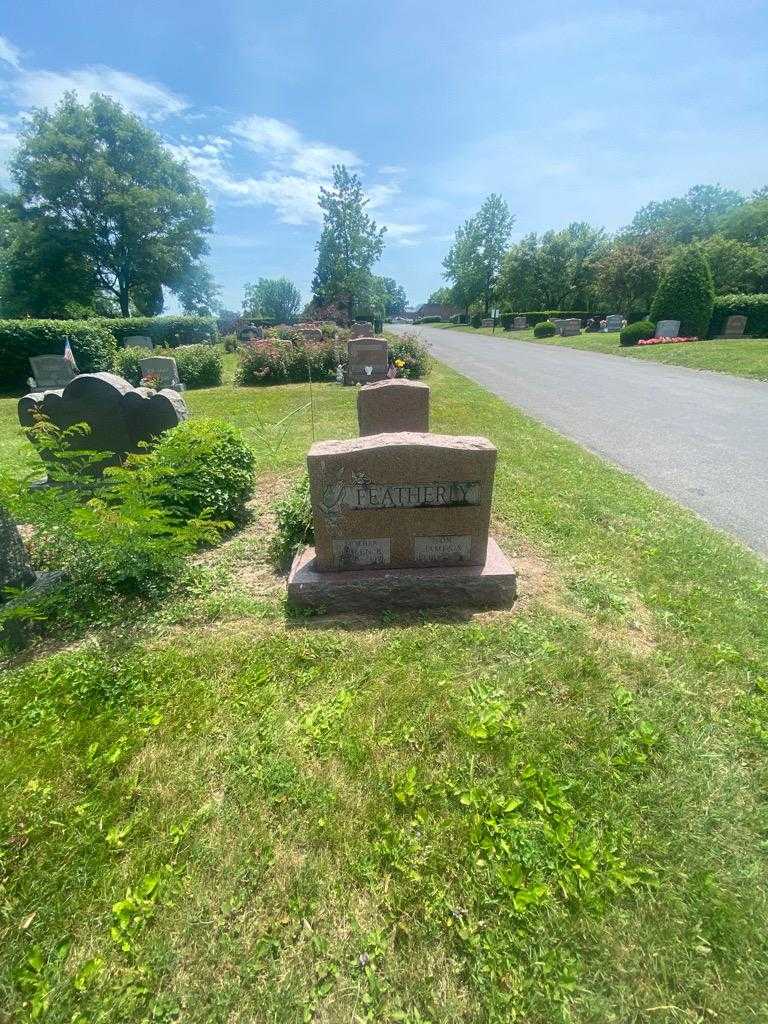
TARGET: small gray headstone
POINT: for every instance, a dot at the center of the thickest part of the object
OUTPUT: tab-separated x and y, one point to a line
520	323
570	327
614	322
390	406
367	360
667	329
51	371
487	322
15	570
164	368
735	327
138	341
364	329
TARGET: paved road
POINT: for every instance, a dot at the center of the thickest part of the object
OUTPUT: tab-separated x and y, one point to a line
700	437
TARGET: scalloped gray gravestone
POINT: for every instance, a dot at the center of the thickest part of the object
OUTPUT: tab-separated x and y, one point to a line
15	570
120	417
667	329
614	322
520	323
363	329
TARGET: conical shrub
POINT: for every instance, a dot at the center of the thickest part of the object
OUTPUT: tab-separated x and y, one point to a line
686	292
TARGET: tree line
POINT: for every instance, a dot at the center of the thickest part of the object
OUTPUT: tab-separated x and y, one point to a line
103	220
583	267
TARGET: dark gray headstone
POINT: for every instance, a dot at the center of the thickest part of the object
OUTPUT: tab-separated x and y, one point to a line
120	416
15	570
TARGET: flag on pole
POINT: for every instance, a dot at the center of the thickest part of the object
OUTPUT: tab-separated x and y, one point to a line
70	356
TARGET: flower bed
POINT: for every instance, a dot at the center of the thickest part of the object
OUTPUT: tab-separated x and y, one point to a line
664	341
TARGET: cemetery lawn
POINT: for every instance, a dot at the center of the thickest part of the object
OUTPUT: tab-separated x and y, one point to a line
212	811
747	358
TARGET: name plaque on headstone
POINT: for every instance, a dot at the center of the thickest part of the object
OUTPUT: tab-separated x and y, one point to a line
444	494
361	553
442	550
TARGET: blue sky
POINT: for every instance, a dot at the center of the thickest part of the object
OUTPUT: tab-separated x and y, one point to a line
571	111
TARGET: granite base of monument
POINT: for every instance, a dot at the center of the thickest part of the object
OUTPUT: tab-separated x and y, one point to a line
492	585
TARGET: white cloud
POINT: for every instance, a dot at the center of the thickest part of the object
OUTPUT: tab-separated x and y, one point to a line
403	234
9	54
8	140
282	143
45	88
392	169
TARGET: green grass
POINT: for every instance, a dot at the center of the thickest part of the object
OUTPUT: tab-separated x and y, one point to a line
747	358
221	812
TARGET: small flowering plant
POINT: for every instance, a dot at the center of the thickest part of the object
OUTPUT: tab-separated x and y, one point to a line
397	368
665	341
151	381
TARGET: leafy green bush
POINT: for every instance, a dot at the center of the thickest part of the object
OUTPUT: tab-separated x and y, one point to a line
211	468
200	366
169	331
460	318
93	346
230	343
476	321
753	307
632	333
293	520
409	348
686	292
506	321
544	329
127	364
275	362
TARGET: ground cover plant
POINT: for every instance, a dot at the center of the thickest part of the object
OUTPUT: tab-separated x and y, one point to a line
742	358
215	812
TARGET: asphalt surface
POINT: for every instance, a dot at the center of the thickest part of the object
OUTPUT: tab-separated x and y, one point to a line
699	437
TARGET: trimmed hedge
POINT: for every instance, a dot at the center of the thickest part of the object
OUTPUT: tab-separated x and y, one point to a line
460	318
754	307
200	366
167	331
686	293
632	333
429	320
92	344
535	316
544	329
476	321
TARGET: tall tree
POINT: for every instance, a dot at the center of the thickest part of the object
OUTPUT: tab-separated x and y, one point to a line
395	299
748	223
685	219
349	245
197	291
627	275
442	296
272	298
473	262
736	266
104	184
686	292
555	271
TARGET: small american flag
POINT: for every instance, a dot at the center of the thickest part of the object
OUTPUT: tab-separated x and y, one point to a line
70	356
